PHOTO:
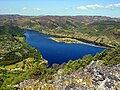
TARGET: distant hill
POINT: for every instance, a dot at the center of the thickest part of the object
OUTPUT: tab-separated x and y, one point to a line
100	29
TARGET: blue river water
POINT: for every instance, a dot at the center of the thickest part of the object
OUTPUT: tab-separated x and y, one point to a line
58	52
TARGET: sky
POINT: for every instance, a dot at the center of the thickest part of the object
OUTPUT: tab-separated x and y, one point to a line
61	7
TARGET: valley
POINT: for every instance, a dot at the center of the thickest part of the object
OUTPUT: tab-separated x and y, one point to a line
33	49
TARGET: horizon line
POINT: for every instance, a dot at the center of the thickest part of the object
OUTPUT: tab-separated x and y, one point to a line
62	15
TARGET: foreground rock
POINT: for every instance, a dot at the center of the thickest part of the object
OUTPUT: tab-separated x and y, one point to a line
95	77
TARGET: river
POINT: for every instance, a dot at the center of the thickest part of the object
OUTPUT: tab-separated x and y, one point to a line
59	52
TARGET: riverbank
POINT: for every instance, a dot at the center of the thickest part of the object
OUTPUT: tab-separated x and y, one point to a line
67	40
82	40
72	39
93	41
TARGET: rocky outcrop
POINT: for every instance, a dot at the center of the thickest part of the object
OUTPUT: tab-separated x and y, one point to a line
104	77
95	76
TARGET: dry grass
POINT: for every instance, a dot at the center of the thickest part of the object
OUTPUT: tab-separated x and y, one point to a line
66	40
18	65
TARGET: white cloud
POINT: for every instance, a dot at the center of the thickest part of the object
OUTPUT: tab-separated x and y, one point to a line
24	8
109	6
117	5
93	6
113	6
97	6
82	8
37	9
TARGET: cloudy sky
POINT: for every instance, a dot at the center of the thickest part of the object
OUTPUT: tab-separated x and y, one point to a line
61	7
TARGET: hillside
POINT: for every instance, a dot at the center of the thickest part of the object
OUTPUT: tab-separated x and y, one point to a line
22	66
100	72
97	29
9	28
16	56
